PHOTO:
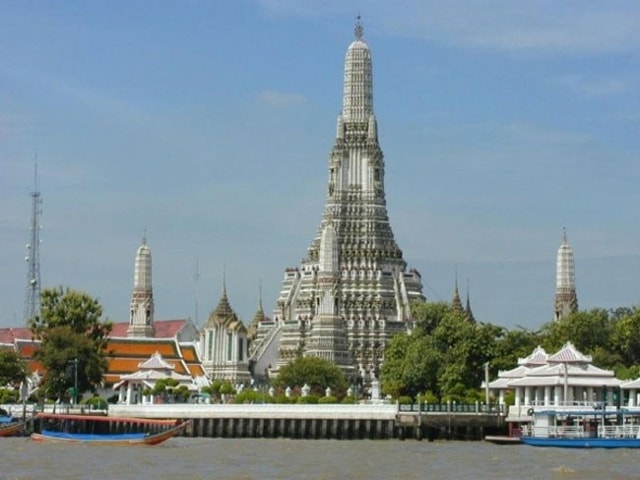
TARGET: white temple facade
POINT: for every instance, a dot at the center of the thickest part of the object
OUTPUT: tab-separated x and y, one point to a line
371	286
225	354
141	311
566	300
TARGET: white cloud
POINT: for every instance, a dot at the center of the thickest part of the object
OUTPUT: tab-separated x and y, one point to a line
596	87
281	99
543	26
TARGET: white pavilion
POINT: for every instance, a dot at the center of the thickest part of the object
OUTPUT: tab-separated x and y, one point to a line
565	378
131	386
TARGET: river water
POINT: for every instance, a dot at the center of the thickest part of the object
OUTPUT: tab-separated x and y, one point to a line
248	459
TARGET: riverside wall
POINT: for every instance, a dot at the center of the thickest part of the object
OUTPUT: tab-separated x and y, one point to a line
322	421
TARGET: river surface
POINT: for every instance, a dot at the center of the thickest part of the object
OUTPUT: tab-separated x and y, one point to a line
248	459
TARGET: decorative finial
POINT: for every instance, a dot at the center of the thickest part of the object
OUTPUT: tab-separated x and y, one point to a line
224	279
144	237
358	30
564	235
260	297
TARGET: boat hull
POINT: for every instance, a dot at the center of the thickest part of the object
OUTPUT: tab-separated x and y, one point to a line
141	438
12	429
585	442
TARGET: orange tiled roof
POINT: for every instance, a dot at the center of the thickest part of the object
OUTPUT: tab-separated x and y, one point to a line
196	370
27	348
120	365
142	348
189	353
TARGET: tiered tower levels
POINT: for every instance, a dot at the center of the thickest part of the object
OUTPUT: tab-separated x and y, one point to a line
373	288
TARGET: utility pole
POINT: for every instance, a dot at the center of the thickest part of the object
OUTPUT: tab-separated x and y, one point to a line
486	383
74	398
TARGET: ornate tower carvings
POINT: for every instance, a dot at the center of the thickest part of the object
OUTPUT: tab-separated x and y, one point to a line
354	272
141	313
566	298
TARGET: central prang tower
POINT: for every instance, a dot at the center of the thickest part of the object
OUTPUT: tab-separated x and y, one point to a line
352	292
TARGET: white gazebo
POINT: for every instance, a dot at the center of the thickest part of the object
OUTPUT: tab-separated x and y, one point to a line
131	386
565	378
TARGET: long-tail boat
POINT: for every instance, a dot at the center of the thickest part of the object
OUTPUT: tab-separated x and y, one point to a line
104	430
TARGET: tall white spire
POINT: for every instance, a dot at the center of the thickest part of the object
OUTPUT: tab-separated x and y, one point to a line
354	277
357	101
566	300
141	312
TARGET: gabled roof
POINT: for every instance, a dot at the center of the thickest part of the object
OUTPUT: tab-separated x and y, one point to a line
536	358
155	362
569	354
635	384
153	369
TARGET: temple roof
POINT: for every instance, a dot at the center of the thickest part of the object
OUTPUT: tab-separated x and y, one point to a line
10	335
224	316
536	358
155	362
569	354
163	328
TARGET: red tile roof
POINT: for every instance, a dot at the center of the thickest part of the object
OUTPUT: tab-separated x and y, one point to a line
163	328
9	335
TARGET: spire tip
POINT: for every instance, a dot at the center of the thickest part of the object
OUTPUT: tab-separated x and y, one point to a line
358	29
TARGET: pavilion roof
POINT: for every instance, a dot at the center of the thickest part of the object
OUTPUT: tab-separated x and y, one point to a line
537	357
569	354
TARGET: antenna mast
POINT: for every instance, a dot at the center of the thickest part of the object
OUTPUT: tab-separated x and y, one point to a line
196	284
32	298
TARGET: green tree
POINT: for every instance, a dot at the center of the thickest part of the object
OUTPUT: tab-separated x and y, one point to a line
587	330
13	369
625	337
315	372
428	315
411	365
73	341
510	346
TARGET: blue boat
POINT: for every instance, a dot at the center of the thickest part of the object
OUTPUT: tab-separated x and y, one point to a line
583	427
96	430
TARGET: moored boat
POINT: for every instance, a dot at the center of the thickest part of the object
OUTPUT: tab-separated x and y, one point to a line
10	426
104	430
584	427
502	440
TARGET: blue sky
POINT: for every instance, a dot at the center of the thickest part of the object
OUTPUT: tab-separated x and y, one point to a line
209	124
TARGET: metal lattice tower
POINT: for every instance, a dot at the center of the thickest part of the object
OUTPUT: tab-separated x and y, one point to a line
32	297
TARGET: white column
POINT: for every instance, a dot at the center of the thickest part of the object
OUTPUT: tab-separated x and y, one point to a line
632	397
547	396
121	394
129	393
557	395
527	395
501	396
517	399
